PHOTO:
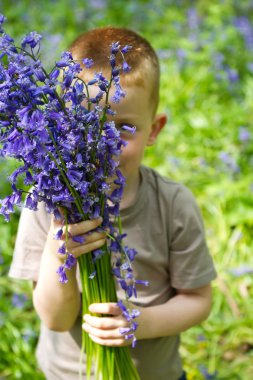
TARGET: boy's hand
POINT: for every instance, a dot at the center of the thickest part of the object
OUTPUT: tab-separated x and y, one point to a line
106	330
81	236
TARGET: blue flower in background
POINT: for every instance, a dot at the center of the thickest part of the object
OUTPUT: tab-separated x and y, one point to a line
244	134
19	300
241	270
232	75
207	375
193	18
29	334
229	162
245	28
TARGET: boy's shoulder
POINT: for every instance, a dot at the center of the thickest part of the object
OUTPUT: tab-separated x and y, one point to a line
165	186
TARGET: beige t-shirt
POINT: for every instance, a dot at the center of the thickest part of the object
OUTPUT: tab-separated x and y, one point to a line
165	226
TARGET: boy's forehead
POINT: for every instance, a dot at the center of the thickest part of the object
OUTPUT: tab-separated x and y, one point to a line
128	84
132	107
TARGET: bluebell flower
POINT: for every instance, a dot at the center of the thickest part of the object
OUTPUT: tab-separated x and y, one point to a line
115	47
131	253
58	234
97	254
241	270
62	249
70	261
61	271
65	61
232	75
244	26
207	375
126	49
2	18
125	67
229	161
118	95
193	18
128	128
32	39
116	195
244	134
19	300
112	61
78	239
130	315
88	63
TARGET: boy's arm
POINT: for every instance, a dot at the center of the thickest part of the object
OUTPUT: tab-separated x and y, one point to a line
58	304
186	309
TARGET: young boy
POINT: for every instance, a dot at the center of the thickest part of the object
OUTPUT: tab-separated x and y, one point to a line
162	222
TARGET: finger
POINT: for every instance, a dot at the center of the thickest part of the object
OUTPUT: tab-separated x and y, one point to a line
120	342
85	248
105	308
87	239
103	334
82	227
105	323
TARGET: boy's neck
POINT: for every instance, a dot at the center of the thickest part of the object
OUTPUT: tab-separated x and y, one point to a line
130	191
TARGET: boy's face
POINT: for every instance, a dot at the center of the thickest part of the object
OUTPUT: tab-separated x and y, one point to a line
136	110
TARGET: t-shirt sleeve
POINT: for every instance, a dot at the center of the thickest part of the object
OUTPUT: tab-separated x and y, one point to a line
31	238
191	265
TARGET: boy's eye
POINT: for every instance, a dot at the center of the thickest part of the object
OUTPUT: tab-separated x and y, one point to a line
127	128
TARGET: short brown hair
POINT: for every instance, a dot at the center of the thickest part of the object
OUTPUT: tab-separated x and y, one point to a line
95	44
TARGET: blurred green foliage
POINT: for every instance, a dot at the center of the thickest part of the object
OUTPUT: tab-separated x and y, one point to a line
206	54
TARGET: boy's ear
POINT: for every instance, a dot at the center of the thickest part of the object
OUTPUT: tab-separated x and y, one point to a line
158	124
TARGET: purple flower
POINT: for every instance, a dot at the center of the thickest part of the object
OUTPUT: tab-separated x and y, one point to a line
128	128
229	161
193	18
19	300
232	75
244	134
61	271
250	66
130	315
32	39
241	270
125	67
66	60
118	95
58	234
70	261
88	63
116	195
78	239
245	28
97	254
62	249
131	253
115	47
126	49
2	19
141	282
207	375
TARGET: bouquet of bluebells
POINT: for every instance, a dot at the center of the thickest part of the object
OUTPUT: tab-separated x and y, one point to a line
67	154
